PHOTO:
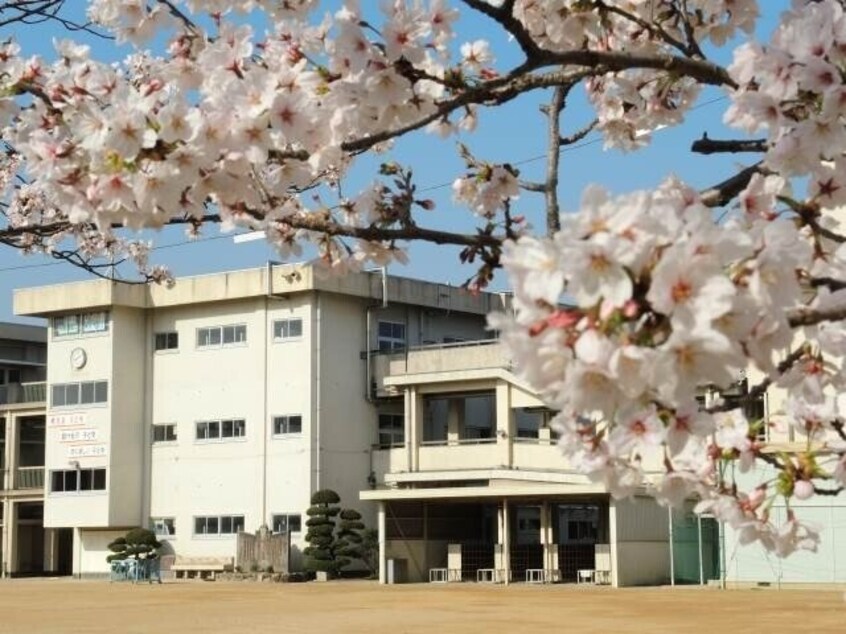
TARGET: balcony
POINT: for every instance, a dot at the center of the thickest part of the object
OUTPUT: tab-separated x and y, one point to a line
29	478
487	354
21	393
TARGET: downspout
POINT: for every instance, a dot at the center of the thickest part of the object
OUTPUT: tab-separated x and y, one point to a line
268	291
318	405
368	370
147	416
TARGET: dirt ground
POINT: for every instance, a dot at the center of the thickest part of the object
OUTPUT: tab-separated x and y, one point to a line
65	606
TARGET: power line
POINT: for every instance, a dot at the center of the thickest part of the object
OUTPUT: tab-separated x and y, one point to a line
525	161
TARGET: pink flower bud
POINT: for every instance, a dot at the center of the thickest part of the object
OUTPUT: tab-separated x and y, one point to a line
802	490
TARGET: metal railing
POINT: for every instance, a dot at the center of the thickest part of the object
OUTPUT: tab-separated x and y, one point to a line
16	393
29	478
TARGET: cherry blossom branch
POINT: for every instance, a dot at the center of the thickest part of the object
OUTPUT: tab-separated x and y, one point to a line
811	316
35	11
649	27
723	193
553	157
714	146
504	15
760	389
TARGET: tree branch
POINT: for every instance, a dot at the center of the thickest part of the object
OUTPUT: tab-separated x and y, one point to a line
553	157
715	146
723	193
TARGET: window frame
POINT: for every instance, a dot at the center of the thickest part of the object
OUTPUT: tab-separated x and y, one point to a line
82	327
99	390
283	421
393	431
168	337
95	477
236	524
285	324
170	521
215	430
170	433
238	336
395	343
287	517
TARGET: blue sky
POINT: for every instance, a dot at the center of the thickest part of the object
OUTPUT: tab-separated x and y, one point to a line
514	133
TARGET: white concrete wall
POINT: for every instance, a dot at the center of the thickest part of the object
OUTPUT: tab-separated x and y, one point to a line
640	551
197	477
91	550
129	435
348	423
90	508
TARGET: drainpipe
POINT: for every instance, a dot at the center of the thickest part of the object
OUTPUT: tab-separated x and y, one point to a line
318	404
268	291
368	371
147	420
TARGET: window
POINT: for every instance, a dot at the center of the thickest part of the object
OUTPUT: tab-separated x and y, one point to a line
290	424
84	323
164	526
287	329
528	422
167	341
73	394
220	429
391	430
218	524
76	480
391	336
221	335
287	523
164	433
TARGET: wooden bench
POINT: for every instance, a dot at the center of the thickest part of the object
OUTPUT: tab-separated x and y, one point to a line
200	567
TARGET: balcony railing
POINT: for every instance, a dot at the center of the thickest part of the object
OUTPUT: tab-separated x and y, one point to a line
17	393
29	478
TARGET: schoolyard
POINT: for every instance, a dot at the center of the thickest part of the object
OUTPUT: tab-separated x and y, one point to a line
34	606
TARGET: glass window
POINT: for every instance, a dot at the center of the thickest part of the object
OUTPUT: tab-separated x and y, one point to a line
164	433
72	394
287	522
288	328
226	524
164	526
391	430
391	336
291	424
101	391
86	479
70	325
87	392
57	395
167	341
99	479
528	422
66	325
95	322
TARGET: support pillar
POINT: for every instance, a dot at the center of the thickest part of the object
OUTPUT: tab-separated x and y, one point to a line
10	524
546	536
408	427
506	542
383	564
51	550
504	425
4	539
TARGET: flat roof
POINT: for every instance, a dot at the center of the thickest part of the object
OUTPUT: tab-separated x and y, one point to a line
23	332
273	279
492	492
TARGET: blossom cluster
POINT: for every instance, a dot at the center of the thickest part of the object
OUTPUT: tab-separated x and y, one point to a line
640	306
628	320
